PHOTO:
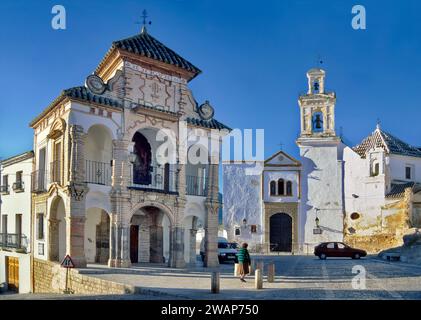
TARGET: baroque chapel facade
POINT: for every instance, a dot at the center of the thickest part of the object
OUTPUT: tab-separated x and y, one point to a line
112	182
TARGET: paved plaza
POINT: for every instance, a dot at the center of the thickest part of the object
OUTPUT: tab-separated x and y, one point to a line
297	277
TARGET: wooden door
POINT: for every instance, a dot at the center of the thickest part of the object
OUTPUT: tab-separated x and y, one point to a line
134	244
12	272
281	232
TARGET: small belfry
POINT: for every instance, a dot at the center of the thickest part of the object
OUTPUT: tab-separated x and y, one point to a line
317	107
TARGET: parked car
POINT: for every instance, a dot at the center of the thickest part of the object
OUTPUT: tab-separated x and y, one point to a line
337	249
226	252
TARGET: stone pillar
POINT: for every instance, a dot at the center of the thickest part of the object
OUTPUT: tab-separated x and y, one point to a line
77	161
177	247
192	258
75	233
113	242
125	247
211	227
120	203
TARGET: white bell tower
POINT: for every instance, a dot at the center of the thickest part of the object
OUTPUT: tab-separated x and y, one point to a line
317	107
322	165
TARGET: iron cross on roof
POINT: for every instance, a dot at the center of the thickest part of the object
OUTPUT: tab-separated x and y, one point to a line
145	21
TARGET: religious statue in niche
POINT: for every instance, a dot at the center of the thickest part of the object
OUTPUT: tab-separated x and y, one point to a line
318	122
142	169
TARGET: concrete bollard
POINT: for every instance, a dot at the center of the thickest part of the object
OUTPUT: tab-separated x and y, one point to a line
215	282
271	272
260	266
258	281
236	273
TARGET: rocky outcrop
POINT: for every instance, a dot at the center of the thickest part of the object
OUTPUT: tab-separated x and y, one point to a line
410	251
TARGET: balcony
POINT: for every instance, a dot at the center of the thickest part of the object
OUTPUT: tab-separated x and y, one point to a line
55	172
4	189
98	173
39	181
18	186
13	241
157	179
195	186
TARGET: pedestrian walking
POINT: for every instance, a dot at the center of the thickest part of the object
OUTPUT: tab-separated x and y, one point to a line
243	262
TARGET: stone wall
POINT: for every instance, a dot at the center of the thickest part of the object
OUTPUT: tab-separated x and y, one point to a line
50	277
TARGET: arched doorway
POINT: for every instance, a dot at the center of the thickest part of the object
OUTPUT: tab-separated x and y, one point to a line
97	236
142	170
150	236
57	230
281	232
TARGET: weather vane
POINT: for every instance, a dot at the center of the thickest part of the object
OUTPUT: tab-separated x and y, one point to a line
281	145
145	20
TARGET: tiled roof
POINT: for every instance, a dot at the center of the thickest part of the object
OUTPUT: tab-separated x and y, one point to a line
212	124
398	189
83	94
146	45
79	93
388	142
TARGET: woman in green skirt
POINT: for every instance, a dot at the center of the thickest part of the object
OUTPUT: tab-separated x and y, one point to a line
243	262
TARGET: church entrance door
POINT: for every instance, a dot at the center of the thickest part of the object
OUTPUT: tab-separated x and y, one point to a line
134	243
281	232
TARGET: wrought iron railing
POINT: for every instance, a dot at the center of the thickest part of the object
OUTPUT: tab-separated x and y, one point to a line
98	172
18	186
39	181
4	189
156	178
55	172
13	241
195	186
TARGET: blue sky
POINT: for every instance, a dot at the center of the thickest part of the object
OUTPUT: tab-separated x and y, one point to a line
254	56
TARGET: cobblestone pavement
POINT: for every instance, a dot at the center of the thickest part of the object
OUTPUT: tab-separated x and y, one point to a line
297	277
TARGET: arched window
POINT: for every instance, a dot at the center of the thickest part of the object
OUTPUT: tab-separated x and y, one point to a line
281	187
142	170
375	169
272	188
289	188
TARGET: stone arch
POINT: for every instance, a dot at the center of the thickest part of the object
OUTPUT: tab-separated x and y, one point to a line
150	233
57	226
167	210
97	235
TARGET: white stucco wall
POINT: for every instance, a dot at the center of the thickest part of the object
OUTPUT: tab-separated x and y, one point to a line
321	188
12	204
398	164
242	185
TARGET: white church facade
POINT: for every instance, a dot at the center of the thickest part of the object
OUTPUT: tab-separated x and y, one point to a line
368	195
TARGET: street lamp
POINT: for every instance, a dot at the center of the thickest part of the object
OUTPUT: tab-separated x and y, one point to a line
317	222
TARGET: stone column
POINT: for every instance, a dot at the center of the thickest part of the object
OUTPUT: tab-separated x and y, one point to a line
77	161
192	259
113	242
75	232
77	190
125	247
120	203
177	247
212	206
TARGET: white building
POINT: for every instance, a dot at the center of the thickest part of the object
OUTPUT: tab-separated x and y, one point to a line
15	237
368	195
262	203
102	185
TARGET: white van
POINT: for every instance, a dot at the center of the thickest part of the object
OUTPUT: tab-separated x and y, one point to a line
226	251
